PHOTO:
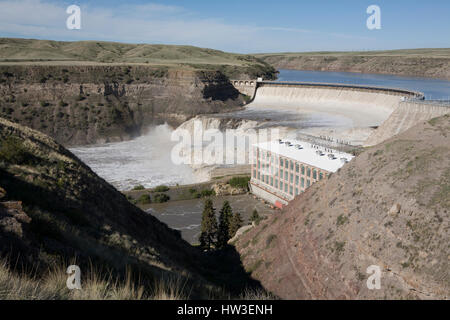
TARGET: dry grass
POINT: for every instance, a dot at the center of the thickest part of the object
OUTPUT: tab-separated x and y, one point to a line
52	286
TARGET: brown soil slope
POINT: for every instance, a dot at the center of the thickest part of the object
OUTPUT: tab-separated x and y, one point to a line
388	207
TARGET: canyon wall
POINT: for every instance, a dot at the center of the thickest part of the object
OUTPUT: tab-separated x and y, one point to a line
416	66
100	103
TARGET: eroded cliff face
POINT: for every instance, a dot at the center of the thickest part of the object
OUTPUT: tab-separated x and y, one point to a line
86	104
433	67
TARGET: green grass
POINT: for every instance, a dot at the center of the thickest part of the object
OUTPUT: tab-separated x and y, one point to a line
239	182
18	50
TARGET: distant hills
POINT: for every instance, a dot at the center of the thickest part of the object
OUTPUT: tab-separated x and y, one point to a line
23	50
433	63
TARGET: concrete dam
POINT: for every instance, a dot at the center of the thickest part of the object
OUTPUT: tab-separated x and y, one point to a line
386	111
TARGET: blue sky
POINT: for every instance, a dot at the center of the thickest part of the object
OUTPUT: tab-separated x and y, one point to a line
237	25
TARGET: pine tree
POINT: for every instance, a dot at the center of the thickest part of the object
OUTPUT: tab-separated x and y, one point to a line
224	225
255	217
209	226
235	224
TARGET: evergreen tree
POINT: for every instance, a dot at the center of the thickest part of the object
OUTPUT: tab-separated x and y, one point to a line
235	224
209	226
224	225
255	217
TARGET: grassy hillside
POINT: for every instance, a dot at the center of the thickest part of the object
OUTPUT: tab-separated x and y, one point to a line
388	207
434	63
88	52
55	211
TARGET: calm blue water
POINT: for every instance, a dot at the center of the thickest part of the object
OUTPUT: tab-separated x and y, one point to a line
432	88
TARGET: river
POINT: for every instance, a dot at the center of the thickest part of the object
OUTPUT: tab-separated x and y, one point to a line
146	160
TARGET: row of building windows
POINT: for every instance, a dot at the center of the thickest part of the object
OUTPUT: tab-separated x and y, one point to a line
306	171
286	186
286	175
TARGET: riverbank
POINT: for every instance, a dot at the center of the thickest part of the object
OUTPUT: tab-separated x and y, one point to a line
430	63
183	209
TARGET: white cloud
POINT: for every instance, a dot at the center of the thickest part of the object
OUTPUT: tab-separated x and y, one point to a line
155	23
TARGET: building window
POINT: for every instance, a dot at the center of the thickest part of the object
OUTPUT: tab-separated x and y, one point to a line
302	182
276	183
303	170
292	178
254	173
314	174
291	191
320	176
292	165
297	191
308	183
296	180
297	167
281	185
308	172
286	176
281	162
281	174
286	187
271	181
286	164
259	176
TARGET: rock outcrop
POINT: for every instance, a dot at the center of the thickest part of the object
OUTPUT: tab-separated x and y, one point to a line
79	105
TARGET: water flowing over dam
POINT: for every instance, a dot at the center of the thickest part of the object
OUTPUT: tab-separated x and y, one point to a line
363	106
366	115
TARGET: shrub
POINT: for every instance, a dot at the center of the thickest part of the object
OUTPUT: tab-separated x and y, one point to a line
61	103
239	182
162	189
13	151
145	199
44	103
139	187
161	198
207	193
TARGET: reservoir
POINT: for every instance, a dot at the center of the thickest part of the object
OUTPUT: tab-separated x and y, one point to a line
434	89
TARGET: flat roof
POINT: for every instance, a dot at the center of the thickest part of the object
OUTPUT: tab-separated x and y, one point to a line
308	154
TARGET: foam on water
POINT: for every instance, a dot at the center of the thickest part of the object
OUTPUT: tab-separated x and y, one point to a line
143	161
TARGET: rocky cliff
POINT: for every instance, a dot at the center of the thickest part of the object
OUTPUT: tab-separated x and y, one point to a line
87	104
389	207
404	62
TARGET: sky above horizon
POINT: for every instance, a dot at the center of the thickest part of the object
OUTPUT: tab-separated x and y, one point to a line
235	25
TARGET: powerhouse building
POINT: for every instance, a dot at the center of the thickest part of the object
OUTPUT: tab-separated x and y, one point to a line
283	169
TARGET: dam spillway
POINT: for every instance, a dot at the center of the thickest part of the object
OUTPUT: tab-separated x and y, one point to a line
363	106
356	107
